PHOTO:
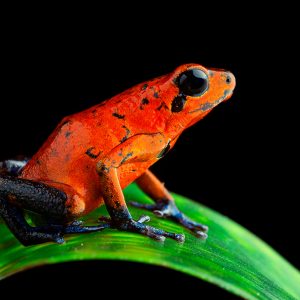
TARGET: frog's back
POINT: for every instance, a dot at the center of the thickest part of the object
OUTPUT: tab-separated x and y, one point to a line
80	140
75	146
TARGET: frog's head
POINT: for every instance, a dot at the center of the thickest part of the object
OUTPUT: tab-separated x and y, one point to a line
192	91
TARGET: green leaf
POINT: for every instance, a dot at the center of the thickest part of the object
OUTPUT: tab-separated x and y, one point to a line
231	257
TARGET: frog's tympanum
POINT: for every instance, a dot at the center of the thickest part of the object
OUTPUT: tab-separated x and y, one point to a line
92	155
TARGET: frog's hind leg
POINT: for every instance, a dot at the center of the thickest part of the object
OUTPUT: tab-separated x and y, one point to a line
26	234
17	194
165	205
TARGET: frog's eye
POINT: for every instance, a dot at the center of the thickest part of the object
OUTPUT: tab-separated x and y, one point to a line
193	82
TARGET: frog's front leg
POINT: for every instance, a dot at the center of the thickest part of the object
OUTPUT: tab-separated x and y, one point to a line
139	148
165	205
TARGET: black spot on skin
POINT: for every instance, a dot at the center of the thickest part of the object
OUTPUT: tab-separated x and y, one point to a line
91	154
38	162
126	135
118	116
67	134
156	95
144	86
94	112
178	103
162	105
102	171
125	158
117	204
144	102
164	151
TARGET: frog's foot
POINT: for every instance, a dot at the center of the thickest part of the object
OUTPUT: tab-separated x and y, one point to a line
167	209
52	233
139	227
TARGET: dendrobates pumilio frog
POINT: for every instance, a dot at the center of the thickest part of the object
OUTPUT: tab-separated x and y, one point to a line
92	155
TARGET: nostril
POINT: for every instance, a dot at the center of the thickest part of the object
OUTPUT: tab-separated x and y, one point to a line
228	79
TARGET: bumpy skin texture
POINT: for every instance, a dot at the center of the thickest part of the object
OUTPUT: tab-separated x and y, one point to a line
92	155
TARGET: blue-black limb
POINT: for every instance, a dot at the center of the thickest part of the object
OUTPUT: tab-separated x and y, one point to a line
120	217
17	194
34	196
164	204
26	234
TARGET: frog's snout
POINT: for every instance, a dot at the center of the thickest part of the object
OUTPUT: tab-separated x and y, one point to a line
230	83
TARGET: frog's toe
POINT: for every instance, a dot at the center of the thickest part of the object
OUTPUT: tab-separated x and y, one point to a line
191	225
84	229
58	238
143	219
201	235
198	229
157	234
161	235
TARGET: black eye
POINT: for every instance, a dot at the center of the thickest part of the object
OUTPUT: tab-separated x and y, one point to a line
193	82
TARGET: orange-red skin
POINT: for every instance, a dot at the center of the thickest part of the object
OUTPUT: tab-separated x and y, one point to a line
68	158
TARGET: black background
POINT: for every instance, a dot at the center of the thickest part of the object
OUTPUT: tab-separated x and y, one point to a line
239	160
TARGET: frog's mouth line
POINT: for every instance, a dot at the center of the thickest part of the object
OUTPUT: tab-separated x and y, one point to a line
209	105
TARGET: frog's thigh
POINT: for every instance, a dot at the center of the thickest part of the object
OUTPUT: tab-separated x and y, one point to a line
57	201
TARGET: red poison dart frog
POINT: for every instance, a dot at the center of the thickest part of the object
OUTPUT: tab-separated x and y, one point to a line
92	155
